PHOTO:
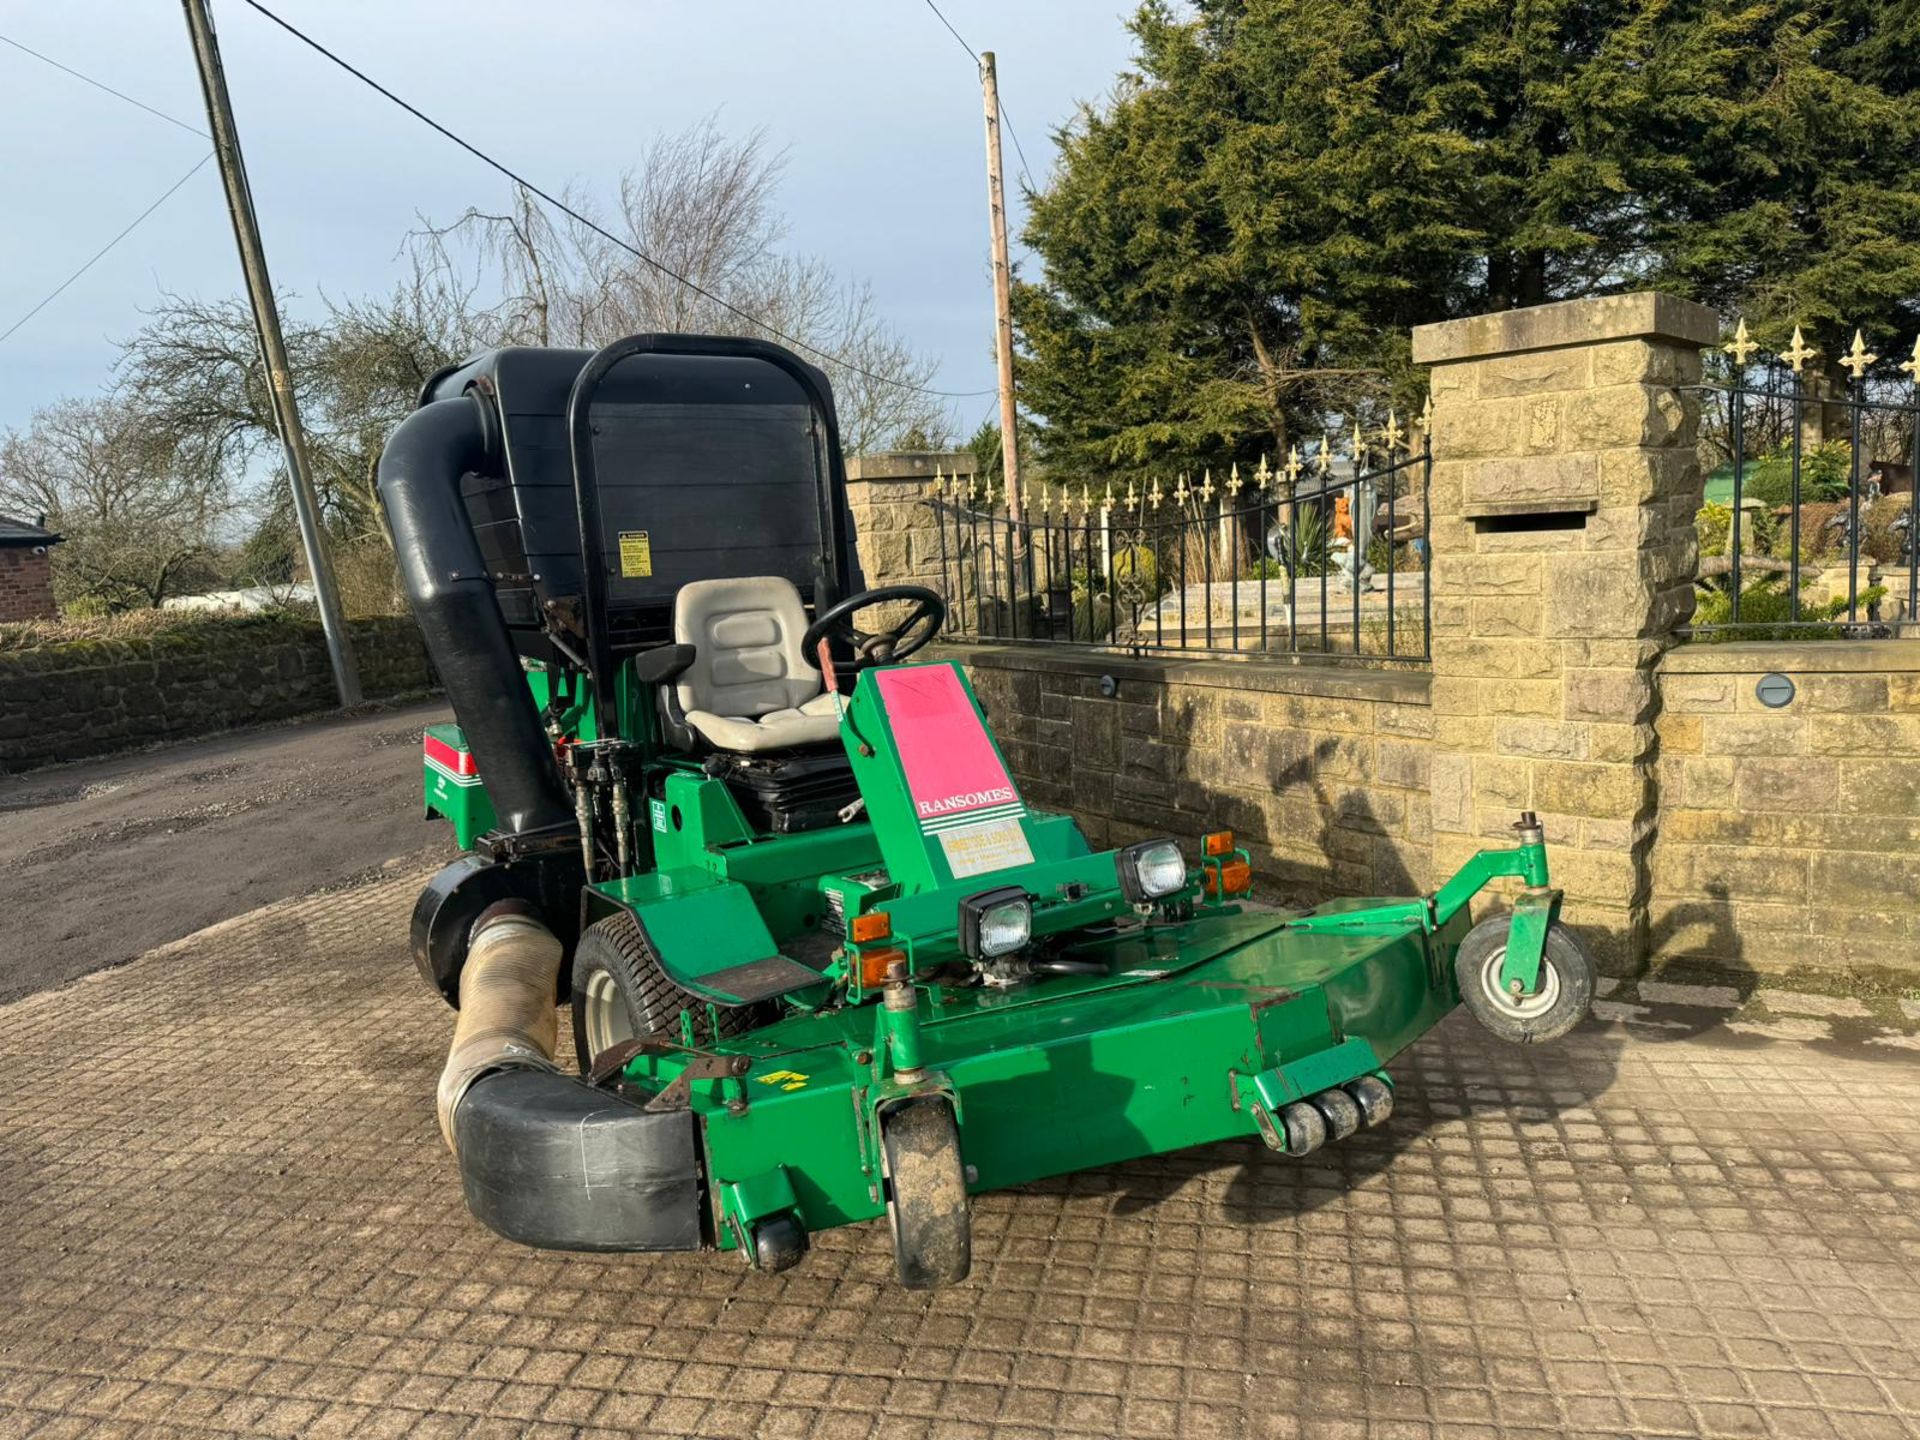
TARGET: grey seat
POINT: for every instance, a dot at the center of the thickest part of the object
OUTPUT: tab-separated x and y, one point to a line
749	687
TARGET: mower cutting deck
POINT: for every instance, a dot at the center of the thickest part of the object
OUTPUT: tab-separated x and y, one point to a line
824	964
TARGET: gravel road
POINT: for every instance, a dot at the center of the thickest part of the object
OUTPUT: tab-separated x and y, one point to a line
101	860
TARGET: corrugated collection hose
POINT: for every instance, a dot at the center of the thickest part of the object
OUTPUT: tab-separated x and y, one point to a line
507	1018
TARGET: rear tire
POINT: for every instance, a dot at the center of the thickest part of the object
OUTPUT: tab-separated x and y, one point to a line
620	992
1561	1001
927	1205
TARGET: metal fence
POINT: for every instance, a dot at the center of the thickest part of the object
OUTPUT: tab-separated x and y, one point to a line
1807	531
1325	555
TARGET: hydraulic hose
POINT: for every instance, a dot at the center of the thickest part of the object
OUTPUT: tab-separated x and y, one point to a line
507	1017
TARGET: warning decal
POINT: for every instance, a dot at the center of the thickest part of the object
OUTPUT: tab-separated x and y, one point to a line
636	555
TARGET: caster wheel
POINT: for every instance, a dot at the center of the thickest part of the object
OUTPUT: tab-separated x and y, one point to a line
1304	1127
1342	1112
778	1243
1374	1097
927	1206
1559	1002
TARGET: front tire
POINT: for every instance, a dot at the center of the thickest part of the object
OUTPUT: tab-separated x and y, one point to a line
1560	1002
927	1207
621	992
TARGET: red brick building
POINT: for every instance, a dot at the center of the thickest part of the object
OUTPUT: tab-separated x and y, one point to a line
26	579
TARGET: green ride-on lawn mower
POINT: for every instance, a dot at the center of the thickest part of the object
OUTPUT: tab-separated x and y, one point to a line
824	963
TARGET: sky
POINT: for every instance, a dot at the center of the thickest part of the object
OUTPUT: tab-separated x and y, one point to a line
876	106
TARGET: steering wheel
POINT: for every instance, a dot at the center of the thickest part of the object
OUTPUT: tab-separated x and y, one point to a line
929	613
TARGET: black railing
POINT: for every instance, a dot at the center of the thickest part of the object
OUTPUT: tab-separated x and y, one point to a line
1266	566
1807	529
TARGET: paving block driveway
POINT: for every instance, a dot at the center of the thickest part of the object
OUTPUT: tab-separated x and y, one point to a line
224	1208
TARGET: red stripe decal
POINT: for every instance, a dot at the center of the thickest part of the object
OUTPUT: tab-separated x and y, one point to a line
458	761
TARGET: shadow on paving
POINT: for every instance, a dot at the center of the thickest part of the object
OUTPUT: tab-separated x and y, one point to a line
1435	1087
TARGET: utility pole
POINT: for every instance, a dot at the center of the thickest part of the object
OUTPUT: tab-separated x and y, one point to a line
1002	295
273	347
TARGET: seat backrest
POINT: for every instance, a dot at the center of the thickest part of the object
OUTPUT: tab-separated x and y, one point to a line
746	640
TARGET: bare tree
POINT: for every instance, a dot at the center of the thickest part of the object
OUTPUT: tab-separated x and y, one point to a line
357	371
704	207
140	515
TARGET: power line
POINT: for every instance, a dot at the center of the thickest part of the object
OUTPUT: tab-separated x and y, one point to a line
1006	116
605	234
1018	148
102	85
971	52
100	254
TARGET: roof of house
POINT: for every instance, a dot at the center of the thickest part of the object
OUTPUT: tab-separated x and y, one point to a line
19	532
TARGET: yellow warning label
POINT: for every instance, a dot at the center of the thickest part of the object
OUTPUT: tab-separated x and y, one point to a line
636	555
785	1079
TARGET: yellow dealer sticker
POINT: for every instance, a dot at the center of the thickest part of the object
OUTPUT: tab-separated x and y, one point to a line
636	555
985	848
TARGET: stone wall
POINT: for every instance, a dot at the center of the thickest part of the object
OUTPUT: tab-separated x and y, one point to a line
26	583
91	697
1789	837
1687	823
1321	772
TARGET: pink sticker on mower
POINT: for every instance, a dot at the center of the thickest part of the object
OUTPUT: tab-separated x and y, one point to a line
952	769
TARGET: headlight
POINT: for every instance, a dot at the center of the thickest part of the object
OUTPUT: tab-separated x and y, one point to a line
1151	870
995	922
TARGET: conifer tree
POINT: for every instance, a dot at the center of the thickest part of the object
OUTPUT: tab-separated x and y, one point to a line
1237	241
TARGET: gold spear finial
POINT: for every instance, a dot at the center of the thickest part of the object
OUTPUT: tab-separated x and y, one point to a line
1325	458
1133	496
1858	358
1798	353
1912	367
1182	491
1263	477
1206	489
1293	466
1234	482
1391	434
1426	414
1741	346
1154	496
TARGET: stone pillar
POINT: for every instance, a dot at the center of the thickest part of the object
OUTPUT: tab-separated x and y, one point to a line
896	529
1565	483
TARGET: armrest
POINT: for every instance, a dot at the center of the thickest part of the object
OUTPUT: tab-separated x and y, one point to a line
662	663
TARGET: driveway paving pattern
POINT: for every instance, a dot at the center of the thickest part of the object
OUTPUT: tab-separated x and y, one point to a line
225	1209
